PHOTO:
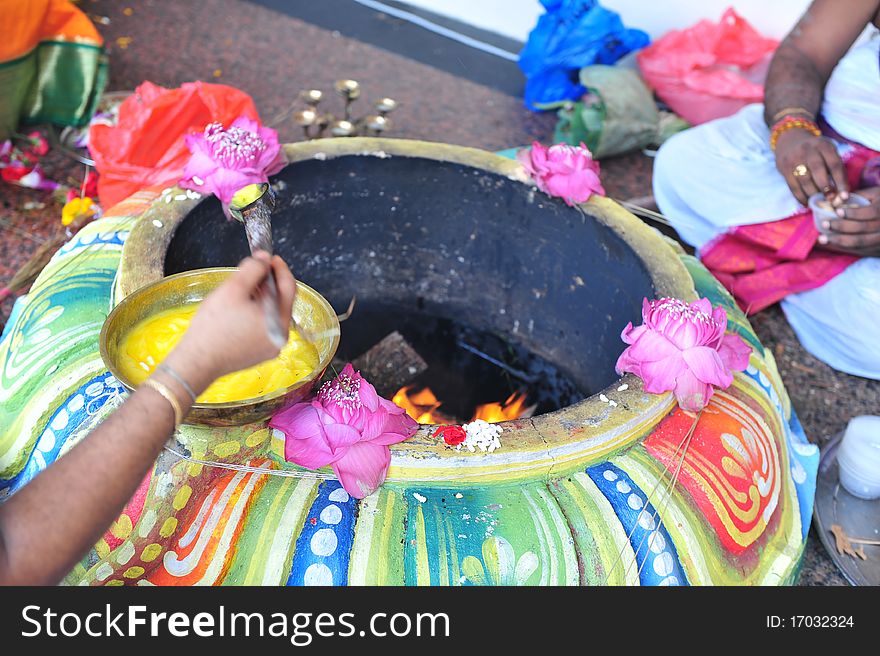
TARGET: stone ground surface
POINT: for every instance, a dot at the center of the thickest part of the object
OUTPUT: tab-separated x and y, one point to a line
272	57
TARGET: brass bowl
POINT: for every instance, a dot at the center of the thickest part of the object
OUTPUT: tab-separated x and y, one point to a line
310	310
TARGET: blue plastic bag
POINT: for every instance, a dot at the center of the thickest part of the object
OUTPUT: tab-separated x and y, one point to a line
570	35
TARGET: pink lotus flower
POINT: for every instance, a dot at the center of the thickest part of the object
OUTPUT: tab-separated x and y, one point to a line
226	159
348	426
683	348
565	171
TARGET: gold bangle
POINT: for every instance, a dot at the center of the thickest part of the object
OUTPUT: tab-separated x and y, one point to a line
792	110
168	395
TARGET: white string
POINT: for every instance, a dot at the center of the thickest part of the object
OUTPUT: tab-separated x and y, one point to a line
643	211
439	29
287	473
650	495
657	508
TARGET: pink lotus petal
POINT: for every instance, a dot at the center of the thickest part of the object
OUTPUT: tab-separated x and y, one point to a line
691	393
368	396
661	375
373	425
627	364
225	182
363	468
631	334
245	123
525	160
200	166
646	310
341	436
335	413
685	334
652	346
706	365
393	437
310	454
734	352
306	443
628	334
196	143
704	305
272	161
394	428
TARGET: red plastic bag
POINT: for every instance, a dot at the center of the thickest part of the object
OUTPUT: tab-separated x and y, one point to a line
709	70
146	146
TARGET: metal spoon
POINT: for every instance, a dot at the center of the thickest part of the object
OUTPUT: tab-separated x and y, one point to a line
253	205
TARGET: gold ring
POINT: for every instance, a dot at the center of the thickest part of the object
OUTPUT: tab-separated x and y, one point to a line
800	171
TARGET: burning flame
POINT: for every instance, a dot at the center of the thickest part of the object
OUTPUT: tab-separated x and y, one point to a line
513	408
423	404
419	405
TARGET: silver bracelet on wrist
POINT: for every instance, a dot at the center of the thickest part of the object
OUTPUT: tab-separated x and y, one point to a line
176	376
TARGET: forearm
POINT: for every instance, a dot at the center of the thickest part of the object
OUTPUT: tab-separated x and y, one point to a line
808	54
793	81
48	525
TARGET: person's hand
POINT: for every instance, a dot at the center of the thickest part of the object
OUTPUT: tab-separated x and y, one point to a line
799	151
857	229
229	332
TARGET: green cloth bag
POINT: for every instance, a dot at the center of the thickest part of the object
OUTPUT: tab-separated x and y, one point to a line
616	116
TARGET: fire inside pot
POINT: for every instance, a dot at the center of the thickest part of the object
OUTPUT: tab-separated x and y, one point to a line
514	300
457	373
424	407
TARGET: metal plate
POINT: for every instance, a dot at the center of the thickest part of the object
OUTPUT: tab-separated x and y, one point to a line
858	517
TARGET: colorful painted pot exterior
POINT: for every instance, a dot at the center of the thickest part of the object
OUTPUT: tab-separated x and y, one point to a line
580	497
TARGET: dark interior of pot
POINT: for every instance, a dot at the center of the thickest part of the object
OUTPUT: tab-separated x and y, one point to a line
496	285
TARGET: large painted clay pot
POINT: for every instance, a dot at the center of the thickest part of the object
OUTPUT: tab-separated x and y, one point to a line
593	493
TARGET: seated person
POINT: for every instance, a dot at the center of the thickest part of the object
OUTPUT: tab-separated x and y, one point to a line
718	181
48	525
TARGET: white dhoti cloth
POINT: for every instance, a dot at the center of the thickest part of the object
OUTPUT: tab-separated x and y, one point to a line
722	174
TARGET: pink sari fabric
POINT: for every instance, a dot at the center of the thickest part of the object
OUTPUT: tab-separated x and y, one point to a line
763	263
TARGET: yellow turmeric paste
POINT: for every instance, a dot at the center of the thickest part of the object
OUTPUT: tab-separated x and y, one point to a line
151	340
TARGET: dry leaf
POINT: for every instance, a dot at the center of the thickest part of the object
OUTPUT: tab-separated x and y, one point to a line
844	545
